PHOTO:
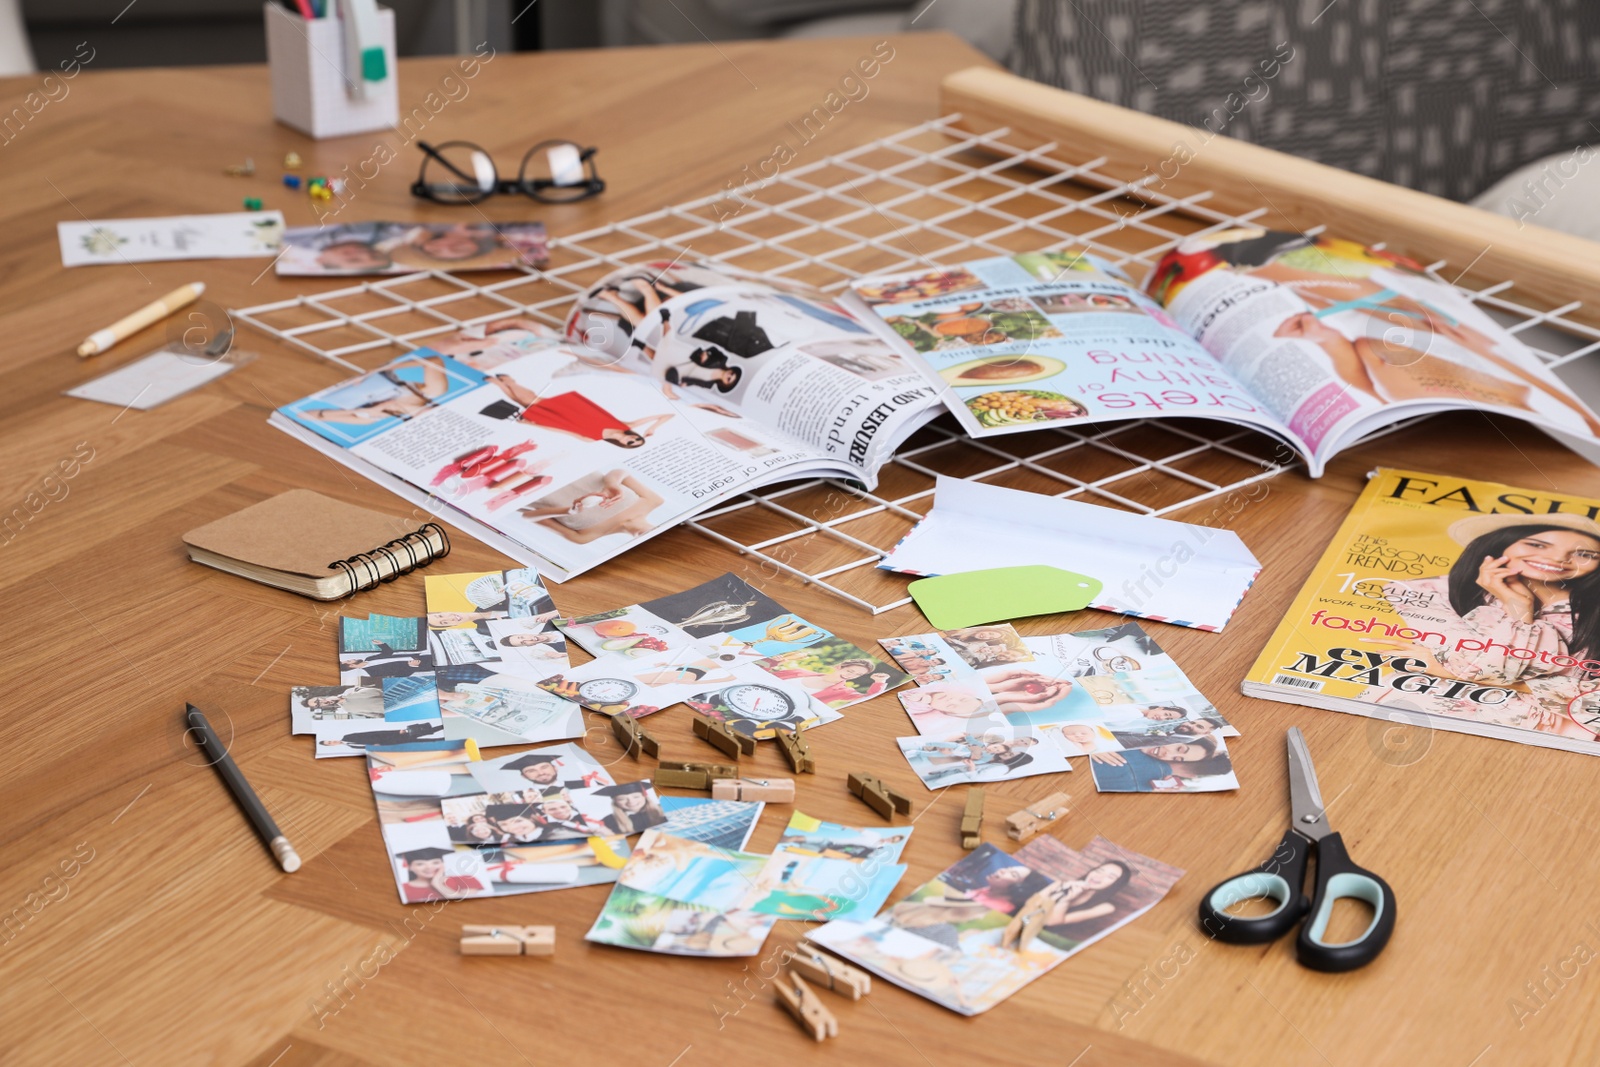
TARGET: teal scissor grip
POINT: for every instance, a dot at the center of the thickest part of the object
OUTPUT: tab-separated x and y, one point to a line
1252	886
1346	887
1279	879
1338	878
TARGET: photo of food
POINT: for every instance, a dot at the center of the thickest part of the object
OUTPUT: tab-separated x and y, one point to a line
1050	266
974	325
908	288
1019	407
1073	303
1003	370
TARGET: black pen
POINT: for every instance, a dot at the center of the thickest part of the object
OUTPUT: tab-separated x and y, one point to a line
257	812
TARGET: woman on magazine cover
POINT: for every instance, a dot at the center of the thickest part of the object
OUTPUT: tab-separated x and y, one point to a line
1524	596
1522	584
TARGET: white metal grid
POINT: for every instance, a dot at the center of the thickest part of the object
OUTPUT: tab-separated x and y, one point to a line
930	195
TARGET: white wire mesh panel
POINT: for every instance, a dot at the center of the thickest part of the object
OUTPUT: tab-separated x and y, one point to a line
930	195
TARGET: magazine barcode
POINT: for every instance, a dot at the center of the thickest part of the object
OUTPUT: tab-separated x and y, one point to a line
1300	683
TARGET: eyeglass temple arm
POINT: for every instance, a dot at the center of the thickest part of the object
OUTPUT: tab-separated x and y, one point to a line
433	153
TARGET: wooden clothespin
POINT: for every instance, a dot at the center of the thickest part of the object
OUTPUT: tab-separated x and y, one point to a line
877	796
830	973
724	737
797	752
1029	920
508	940
689	775
799	1000
776	790
634	738
972	820
1038	816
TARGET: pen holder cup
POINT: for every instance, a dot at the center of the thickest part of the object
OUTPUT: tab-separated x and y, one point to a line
307	61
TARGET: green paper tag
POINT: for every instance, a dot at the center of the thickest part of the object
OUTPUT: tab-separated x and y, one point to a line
973	598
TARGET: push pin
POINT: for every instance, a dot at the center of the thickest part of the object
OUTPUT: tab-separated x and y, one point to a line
292	181
291	161
252	203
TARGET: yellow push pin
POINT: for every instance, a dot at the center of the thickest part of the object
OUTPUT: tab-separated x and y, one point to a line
291	161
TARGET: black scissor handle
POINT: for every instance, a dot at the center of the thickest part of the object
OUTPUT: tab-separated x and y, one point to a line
1282	878
1339	878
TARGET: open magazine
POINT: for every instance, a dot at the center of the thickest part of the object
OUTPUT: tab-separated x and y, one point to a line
1314	340
1455	604
676	388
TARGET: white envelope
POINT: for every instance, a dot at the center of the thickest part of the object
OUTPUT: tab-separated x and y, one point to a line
1151	568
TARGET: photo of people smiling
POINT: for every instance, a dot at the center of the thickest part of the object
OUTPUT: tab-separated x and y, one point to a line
992	705
996	755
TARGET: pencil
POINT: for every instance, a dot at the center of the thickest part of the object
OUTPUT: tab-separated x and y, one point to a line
155	311
253	808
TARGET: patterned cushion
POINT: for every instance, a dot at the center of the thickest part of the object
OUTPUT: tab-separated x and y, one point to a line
1445	96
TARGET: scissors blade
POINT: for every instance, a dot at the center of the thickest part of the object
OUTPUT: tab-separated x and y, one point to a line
1305	797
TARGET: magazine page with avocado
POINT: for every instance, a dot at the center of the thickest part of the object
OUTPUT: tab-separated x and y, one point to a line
1316	341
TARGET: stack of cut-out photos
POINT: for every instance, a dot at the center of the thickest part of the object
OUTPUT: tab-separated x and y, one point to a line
467	671
728	651
687	897
991	705
992	923
487	666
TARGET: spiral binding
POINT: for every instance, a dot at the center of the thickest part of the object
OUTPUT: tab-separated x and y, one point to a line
419	553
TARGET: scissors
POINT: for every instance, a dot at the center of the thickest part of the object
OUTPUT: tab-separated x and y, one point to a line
1282	878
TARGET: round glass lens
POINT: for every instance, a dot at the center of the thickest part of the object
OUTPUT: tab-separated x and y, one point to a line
459	173
556	172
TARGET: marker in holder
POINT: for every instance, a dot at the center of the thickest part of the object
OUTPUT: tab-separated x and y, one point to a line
311	85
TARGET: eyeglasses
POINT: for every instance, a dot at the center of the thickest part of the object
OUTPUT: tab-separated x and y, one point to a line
459	172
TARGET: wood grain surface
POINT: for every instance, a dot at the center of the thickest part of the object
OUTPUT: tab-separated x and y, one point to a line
145	924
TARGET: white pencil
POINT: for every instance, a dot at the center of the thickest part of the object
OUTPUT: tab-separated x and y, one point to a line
101	340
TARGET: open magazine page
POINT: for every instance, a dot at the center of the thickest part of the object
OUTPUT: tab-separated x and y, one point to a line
1049	339
572	461
1335	338
783	356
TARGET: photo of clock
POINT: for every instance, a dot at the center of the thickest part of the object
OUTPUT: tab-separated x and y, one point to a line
751	708
756	701
606	691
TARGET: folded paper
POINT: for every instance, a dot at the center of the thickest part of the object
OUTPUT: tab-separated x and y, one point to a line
1149	568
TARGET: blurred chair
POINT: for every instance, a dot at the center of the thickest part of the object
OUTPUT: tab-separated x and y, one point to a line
15	55
1424	93
987	24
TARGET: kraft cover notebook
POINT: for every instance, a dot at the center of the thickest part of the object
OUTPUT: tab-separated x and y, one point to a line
314	545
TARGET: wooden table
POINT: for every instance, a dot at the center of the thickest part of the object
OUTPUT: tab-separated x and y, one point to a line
175	939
